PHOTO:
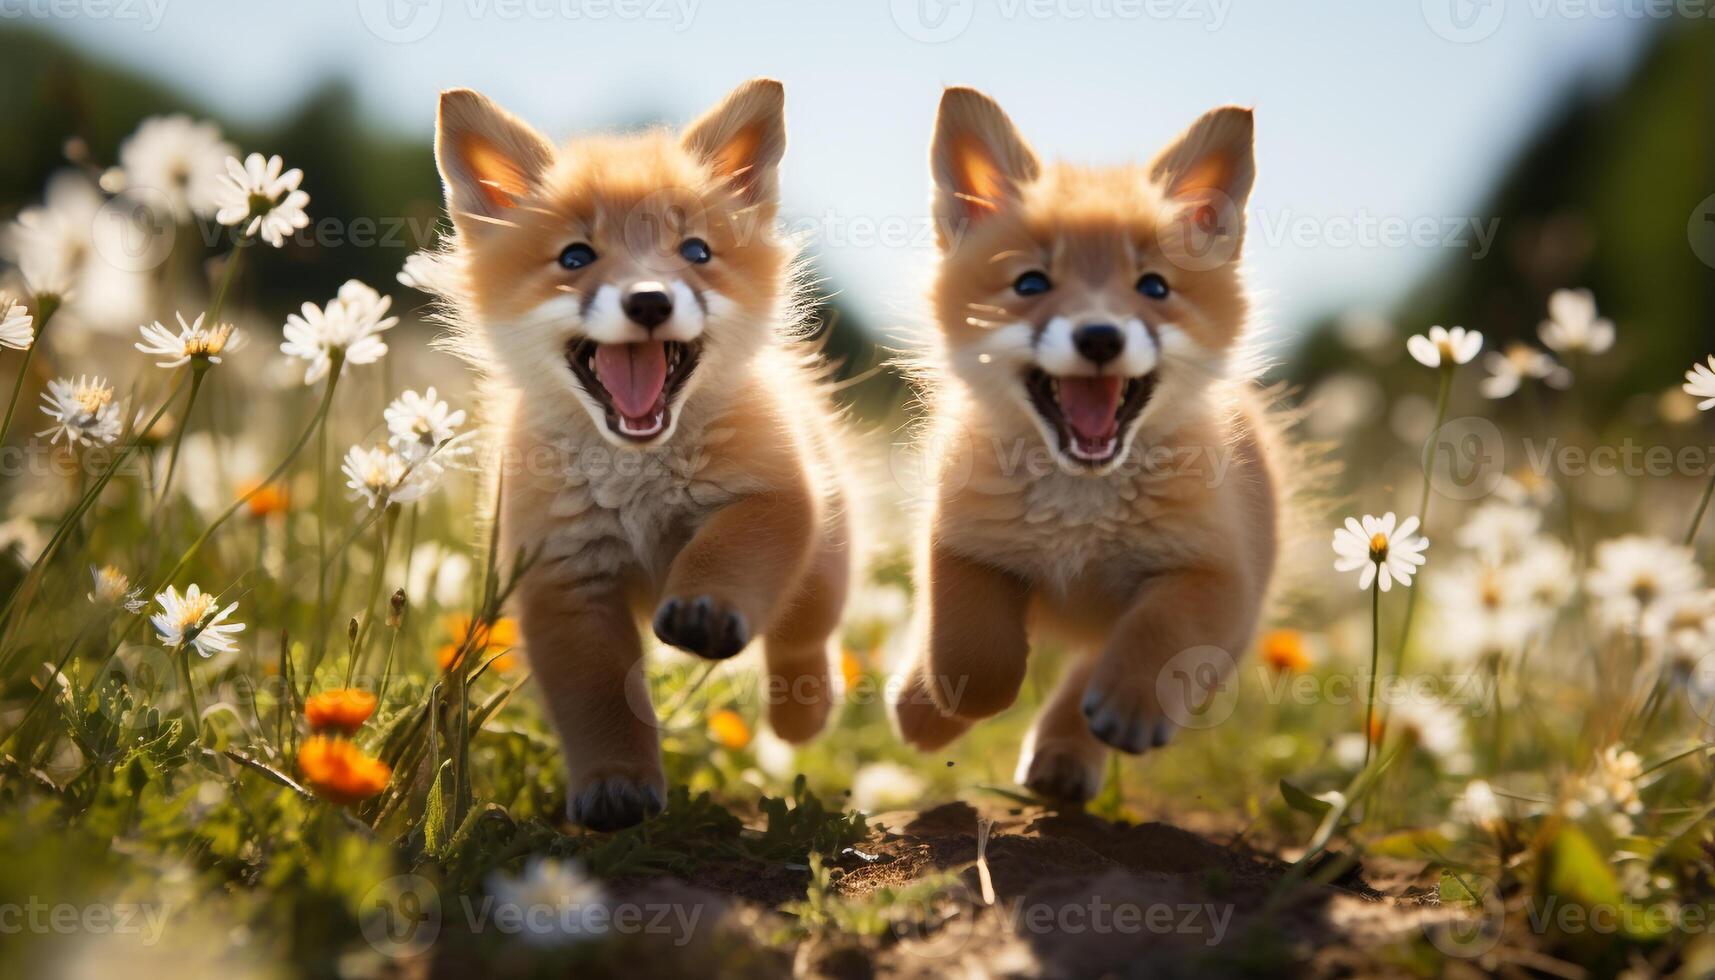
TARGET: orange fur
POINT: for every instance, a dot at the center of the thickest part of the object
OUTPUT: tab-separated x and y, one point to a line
1130	544
725	521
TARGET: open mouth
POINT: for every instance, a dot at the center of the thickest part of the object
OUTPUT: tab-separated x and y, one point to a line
1088	414
635	383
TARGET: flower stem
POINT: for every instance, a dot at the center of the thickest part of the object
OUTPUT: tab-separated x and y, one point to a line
183	656
27	587
1697	518
208	532
383	544
1375	662
1423	498
198	369
46	306
233	260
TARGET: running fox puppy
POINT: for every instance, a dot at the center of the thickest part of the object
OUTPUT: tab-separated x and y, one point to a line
668	451
1102	477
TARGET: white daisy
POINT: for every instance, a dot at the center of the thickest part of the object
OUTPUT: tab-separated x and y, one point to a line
1479	807
179	158
555	901
113	588
381	476
258	196
421	423
1378	547
1435	726
1700	383
1682	629
1573	326
1499	530
885	786
1544	574
191	620
1507	371
84	412
192	342
352	322
69	248
1481	610
1633	574
1609	792
1444	346
17	327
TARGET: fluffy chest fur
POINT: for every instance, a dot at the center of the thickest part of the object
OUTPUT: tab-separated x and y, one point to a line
605	511
1174	503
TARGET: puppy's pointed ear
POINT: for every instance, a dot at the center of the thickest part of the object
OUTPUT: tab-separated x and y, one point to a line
743	139
1208	171
979	162
489	159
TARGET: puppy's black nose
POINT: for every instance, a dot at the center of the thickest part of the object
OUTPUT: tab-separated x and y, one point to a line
647	304
1100	342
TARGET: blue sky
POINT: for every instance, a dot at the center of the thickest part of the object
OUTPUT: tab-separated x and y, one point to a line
1381	126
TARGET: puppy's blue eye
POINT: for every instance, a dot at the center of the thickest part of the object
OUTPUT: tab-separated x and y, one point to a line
1153	286
1032	284
577	256
695	250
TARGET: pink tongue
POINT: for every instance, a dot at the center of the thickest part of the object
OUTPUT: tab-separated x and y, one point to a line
633	375
1091	406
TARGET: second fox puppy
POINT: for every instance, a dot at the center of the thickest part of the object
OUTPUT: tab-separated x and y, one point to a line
669	453
1104	479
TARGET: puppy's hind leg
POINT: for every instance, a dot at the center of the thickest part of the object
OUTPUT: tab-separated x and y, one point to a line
799	687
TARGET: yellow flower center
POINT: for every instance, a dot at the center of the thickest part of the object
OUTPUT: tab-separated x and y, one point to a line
1378	548
208	343
92	399
195	610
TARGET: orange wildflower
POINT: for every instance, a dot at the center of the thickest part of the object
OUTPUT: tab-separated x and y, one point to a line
485	641
851	668
268	500
1286	651
339	772
342	710
727	728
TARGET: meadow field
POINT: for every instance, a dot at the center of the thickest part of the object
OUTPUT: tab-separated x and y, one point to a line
263	710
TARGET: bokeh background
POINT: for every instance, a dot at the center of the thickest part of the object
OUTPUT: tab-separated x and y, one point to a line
1444	161
1420	162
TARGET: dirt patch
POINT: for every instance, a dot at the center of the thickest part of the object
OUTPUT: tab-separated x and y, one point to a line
1075	895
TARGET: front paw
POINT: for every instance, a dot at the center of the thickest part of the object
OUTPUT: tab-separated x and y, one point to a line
1068	773
702	625
615	802
1126	715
